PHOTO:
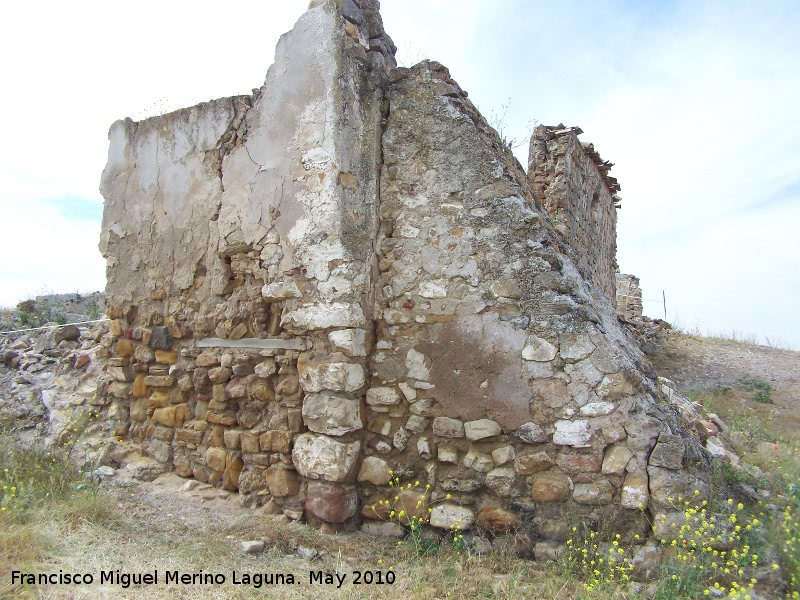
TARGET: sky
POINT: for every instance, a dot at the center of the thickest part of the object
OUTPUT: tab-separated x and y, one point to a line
696	102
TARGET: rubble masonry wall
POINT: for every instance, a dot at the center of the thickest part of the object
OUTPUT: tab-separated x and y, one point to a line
417	315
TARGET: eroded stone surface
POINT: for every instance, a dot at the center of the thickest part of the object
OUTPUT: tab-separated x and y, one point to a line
331	414
452	516
322	457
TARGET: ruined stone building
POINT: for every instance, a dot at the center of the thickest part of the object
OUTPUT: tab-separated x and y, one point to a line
347	276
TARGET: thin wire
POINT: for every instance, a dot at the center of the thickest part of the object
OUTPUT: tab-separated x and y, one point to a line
53	326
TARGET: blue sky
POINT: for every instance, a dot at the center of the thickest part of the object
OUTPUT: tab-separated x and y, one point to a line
695	102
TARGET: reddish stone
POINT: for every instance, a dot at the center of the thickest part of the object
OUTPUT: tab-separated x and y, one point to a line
331	502
575	462
497	519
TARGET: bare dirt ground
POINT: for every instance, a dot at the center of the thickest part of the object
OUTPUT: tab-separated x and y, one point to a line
700	365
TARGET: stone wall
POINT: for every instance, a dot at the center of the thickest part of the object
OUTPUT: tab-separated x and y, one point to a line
250	218
572	182
345	277
629	297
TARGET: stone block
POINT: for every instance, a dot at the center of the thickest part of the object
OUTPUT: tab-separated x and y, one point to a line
165	434
158	399
571	433
331	502
409	392
401	438
161	451
161	337
159	380
67	333
616	459
261	390
452	516
221	417
331	414
668	452
447	427
280	290
478	461
635	491
383	529
276	441
531	433
380	425
528	464
597	409
501	481
124	347
572	461
374	470
119	389
166	357
219	374
236	388
447	454
139	409
144	354
215	459
505	289
165	416
322	457
413	503
667	486
539	350
115	327
424	448
253	547
417	366
614	386
596	493
453	484
352	342
550	487
250	443
120	373
281	482
266	368
575	346
206	359
328	316
549	550
232	439
333	376
417	424
481	429
497	519
382	396
503	455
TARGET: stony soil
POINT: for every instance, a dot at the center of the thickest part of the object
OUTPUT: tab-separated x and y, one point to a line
697	365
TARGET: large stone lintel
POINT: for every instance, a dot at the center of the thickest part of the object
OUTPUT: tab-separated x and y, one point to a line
264	344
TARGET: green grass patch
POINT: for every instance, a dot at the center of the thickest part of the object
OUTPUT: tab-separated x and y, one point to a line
762	391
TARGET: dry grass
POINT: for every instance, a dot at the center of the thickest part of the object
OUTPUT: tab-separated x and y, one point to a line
105	529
